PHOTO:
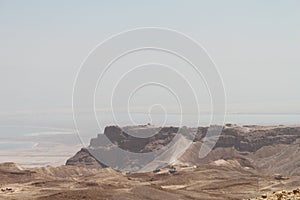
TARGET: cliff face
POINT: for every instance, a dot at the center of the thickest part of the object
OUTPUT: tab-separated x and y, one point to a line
246	138
126	139
253	146
251	139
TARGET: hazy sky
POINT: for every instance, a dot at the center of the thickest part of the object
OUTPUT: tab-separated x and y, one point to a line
256	45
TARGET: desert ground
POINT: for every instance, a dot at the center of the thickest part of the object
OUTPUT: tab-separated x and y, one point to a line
261	164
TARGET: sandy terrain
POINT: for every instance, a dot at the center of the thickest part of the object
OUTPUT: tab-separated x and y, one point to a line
219	180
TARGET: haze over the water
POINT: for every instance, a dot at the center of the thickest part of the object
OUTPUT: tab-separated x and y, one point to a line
255	45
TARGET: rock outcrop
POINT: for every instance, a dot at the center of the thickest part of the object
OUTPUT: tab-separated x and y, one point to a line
83	158
270	148
281	195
